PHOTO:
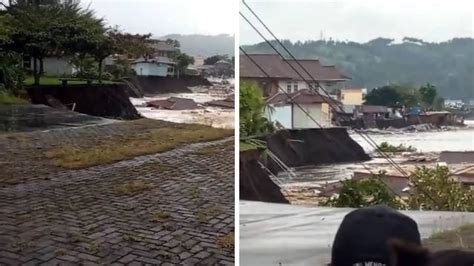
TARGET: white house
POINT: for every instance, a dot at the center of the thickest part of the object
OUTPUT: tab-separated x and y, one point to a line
52	66
158	66
288	111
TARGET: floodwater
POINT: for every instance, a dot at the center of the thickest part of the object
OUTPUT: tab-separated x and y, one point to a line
461	139
205	115
309	179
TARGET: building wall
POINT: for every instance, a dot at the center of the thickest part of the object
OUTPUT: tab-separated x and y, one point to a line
152	69
352	97
289	85
301	120
281	114
55	66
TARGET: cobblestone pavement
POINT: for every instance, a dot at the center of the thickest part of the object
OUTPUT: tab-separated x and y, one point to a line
172	208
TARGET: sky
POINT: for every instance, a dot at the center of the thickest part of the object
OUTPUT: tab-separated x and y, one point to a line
360	20
162	17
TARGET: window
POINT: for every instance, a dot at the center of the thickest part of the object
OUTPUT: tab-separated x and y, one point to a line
295	86
288	87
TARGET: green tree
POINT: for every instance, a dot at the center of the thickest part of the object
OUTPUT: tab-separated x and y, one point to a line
183	61
174	43
50	28
386	96
213	59
436	189
132	45
103	47
427	94
252	110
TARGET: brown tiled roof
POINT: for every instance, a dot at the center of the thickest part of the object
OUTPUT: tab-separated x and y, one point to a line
270	63
275	67
300	97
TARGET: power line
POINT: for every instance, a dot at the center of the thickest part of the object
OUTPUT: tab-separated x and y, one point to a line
365	137
314	120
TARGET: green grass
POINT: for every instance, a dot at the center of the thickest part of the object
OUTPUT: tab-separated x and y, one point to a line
46	80
145	140
243	146
7	98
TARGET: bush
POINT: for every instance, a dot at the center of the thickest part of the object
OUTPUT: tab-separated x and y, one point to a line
385	147
437	190
252	111
364	193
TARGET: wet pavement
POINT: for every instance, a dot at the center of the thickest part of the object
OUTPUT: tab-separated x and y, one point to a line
32	117
283	234
170	208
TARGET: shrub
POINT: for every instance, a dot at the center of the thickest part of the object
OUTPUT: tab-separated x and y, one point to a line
437	190
252	111
364	193
386	147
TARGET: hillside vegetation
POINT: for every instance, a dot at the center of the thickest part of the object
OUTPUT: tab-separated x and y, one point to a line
448	65
204	45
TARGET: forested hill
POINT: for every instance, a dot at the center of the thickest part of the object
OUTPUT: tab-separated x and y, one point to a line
448	65
204	45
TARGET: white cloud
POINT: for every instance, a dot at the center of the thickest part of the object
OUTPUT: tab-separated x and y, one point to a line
362	20
161	17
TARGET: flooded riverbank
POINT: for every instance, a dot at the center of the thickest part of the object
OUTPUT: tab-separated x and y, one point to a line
205	115
304	186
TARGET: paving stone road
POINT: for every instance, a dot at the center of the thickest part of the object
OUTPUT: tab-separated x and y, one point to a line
181	213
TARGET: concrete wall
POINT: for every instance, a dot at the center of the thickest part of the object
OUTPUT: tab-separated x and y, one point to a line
301	119
300	85
152	69
55	66
352	97
282	115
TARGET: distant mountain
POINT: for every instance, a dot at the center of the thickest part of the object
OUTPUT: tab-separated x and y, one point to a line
204	45
448	65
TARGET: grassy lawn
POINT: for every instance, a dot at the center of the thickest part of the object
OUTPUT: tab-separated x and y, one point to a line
7	99
45	80
144	140
461	237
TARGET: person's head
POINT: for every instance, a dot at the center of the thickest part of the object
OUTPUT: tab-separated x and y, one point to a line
363	236
381	236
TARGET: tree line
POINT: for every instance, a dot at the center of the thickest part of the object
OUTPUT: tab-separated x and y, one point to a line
448	65
63	28
426	96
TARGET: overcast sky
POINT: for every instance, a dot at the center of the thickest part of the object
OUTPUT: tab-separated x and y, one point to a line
162	17
361	20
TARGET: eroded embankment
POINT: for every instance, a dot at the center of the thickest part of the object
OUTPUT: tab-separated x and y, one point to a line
255	183
294	148
313	147
105	100
157	85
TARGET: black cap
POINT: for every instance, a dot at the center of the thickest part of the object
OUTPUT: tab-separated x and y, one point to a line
363	234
